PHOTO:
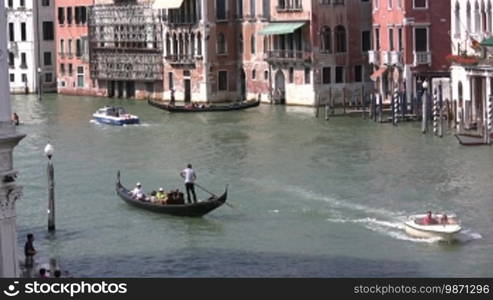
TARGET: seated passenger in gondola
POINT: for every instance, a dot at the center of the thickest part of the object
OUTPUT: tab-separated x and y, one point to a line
161	196
152	197
138	192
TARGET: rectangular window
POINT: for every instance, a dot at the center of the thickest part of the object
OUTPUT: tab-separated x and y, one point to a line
221	9
291	75
223	80
48	32
326	75
11	32
391	39
307	75
47	58
69	49
24	77
421	39
420	3
45	2
78	48
23	60
62	69
70	69
365	41
252	8
399	39
61	15
339	74
23	31
48	77
239	8
12	77
358	73
266	8
80	76
11	3
170	80
377	39
62	46
69	15
11	59
22	3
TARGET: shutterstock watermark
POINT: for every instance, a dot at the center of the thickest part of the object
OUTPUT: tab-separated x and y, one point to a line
65	288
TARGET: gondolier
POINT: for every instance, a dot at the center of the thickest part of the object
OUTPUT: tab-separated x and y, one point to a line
189	175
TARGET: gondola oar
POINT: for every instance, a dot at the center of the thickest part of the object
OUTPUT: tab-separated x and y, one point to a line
198	185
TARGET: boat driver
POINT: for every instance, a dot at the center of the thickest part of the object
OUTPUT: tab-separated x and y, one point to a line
138	192
429	220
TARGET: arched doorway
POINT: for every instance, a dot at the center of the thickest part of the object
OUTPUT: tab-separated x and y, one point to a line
243	94
279	90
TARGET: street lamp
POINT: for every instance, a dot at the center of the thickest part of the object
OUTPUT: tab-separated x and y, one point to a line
49	150
424	124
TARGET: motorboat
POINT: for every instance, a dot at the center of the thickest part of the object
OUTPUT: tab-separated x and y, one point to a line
114	115
446	230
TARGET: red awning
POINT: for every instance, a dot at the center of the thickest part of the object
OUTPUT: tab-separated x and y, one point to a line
378	73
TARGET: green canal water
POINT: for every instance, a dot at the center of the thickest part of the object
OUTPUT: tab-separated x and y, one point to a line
312	198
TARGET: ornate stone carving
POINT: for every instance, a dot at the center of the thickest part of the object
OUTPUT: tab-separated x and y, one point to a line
8	196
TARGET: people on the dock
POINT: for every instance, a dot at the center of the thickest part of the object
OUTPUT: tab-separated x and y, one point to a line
29	250
15	119
43	273
189	175
429	220
138	192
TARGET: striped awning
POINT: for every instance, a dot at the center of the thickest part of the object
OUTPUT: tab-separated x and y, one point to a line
281	28
167	4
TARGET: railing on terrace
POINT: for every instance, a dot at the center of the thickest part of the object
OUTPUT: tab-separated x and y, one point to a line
288	55
289	7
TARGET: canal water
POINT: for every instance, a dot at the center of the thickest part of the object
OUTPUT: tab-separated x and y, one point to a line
311	198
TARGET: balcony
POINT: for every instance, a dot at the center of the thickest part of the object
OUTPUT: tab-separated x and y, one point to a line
289	7
374	57
396	58
422	58
180	59
288	56
386	57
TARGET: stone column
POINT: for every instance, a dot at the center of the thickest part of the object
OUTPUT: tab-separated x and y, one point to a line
9	191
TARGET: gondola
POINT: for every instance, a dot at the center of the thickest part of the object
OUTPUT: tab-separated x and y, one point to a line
184	210
470	139
210	108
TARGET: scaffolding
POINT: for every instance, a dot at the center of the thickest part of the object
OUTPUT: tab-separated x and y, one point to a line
125	42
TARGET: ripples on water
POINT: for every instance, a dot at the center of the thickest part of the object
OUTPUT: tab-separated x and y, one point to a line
313	198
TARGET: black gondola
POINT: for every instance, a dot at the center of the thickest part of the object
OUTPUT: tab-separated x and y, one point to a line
184	210
210	108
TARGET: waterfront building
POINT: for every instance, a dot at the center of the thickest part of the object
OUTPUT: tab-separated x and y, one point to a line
72	47
10	192
31	45
472	62
411	42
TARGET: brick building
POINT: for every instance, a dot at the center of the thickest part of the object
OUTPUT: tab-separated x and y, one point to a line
410	44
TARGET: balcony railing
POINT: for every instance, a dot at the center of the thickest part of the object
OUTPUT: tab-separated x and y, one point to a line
422	58
183	59
290	7
396	58
374	57
385	57
288	55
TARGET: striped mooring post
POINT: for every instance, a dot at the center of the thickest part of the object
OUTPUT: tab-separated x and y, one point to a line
395	107
435	112
490	120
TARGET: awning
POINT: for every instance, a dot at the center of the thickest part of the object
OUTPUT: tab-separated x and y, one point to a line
281	28
167	4
378	73
487	42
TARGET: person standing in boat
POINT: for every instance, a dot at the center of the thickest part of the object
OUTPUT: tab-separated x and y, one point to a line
138	192
189	175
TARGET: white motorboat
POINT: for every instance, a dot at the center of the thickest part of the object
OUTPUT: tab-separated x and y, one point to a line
448	230
115	116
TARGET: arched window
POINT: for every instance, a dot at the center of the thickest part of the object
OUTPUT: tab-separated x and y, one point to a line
468	17
252	43
340	35
460	91
199	44
175	44
192	44
489	17
326	39
221	44
254	74
168	44
484	20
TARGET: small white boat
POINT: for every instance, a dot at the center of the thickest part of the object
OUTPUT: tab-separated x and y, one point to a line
446	231
115	116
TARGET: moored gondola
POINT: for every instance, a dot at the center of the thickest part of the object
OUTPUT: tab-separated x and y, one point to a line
184	210
204	108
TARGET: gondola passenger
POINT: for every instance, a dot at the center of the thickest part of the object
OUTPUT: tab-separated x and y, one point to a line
161	196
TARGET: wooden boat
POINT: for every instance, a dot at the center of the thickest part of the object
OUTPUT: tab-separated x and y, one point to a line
470	139
415	227
185	210
209	108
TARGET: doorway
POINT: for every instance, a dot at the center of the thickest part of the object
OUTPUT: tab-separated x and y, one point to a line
188	90
280	90
243	94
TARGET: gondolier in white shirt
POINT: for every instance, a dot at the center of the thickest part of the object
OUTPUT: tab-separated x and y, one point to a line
189	175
